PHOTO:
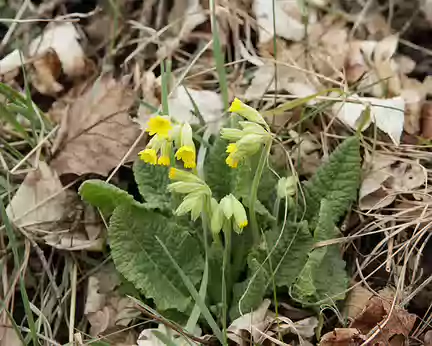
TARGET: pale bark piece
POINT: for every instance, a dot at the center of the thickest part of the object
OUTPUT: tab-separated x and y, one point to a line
98	131
39	200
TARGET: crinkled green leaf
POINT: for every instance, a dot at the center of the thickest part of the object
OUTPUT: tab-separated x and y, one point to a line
337	181
248	296
324	275
103	195
218	174
152	184
289	253
140	258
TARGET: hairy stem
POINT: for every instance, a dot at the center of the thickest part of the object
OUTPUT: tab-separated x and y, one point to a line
254	191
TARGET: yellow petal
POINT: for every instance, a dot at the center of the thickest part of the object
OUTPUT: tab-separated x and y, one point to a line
231	148
188	155
148	156
231	161
159	125
164	161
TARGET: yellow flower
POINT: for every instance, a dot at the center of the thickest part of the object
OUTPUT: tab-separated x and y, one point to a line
231	161
148	156
187	155
231	148
172	173
164	161
160	125
246	112
243	224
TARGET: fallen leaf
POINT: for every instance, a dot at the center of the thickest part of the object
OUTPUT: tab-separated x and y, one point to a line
40	199
414	95
428	338
288	79
251	323
9	337
11	63
74	242
385	176
304	328
426	7
357	299
426	122
46	71
208	103
105	308
342	337
377	311
62	38
98	131
387	114
287	20
149	337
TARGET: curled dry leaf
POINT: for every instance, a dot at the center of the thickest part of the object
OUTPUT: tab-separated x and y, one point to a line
385	176
46	71
356	301
63	40
251	323
9	337
40	199
98	131
149	337
387	114
426	124
342	337
379	312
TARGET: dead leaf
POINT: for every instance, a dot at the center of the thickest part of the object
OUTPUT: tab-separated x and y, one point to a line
39	200
342	337
385	176
98	131
251	323
105	308
46	71
74	242
9	337
11	63
148	337
63	39
208	103
288	79
287	19
377	311
357	299
305	328
387	114
426	124
428	338
414	95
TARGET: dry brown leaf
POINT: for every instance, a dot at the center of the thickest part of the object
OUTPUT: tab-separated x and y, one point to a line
342	337
356	301
414	95
392	322
105	308
98	131
9	337
63	39
38	186
251	323
46	71
428	338
426	124
385	176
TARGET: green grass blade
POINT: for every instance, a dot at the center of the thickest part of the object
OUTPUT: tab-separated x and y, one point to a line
218	55
195	295
12	239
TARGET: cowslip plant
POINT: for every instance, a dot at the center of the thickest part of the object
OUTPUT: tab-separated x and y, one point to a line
235	231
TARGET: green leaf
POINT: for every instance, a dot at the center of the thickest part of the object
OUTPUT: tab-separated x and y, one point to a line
152	184
248	295
103	195
337	181
323	276
289	253
218	174
141	259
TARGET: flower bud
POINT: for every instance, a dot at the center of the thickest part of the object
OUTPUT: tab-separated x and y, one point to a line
192	203
188	187
181	175
217	217
231	134
246	112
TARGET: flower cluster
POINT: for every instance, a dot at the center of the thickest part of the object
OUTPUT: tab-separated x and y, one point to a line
166	134
199	195
247	140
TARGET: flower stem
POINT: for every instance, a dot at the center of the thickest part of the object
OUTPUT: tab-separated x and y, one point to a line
254	191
